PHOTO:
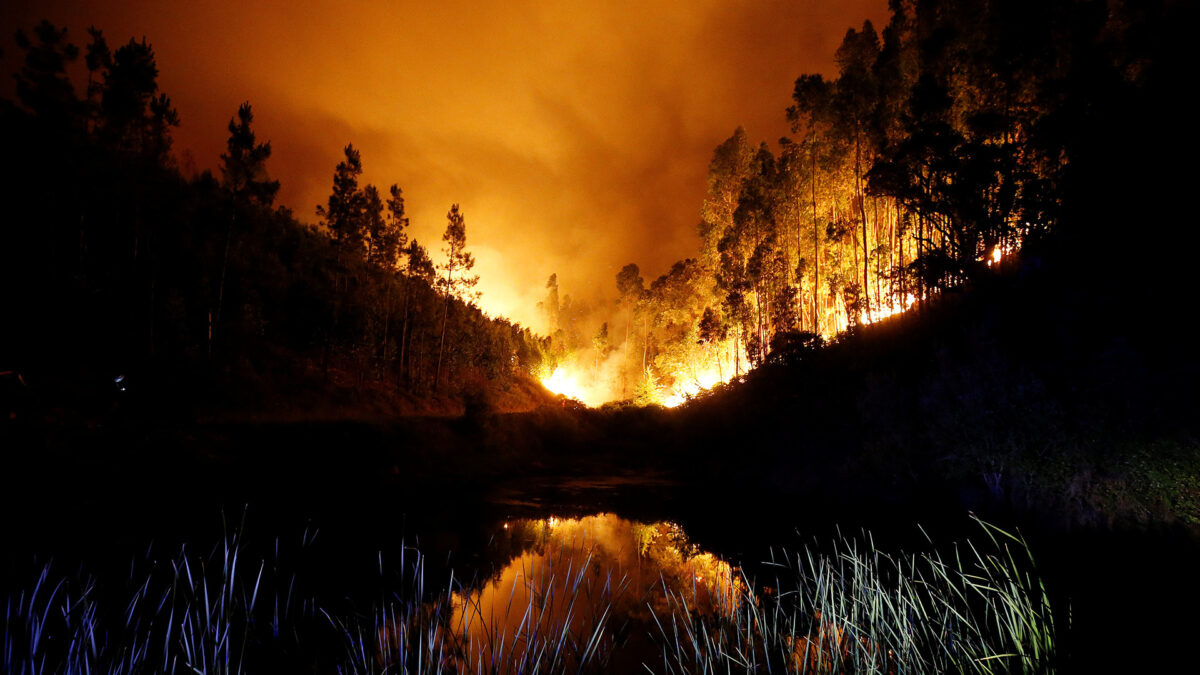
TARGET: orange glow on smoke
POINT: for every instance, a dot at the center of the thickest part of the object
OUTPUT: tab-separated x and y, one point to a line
567	158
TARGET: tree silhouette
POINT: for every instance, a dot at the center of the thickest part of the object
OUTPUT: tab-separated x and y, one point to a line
137	118
630	289
458	262
42	82
855	98
343	213
394	240
123	265
244	163
244	175
99	61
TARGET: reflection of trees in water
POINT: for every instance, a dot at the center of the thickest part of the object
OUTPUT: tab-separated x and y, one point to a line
579	586
603	594
597	594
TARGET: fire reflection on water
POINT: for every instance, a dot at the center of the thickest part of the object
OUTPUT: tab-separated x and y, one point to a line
576	585
604	594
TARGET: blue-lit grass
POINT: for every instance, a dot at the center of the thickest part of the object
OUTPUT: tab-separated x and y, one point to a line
186	614
857	609
561	624
851	609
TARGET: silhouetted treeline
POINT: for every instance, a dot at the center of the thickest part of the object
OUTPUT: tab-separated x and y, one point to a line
116	264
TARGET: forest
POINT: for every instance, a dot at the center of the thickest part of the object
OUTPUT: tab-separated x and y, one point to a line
949	308
951	145
126	279
959	142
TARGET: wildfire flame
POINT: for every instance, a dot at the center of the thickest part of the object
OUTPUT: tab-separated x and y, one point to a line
564	384
881	313
592	385
691	387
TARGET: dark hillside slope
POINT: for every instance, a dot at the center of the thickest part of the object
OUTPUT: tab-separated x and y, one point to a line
1015	394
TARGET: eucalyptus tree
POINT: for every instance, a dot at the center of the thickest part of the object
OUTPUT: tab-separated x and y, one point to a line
727	171
630	292
854	100
748	252
812	117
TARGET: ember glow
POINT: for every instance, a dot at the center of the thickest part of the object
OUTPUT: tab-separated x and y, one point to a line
564	385
583	387
578	380
887	311
687	387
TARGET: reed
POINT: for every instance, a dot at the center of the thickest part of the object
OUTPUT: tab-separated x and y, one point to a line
857	609
187	613
847	607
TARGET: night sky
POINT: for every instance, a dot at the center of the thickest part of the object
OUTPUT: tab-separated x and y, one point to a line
575	135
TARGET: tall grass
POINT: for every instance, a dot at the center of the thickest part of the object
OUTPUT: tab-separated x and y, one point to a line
558	623
857	609
845	608
188	613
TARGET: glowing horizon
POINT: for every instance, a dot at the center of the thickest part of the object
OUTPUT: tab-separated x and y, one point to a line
575	139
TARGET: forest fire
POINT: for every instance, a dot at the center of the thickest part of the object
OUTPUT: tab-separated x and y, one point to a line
689	387
891	310
563	384
797	246
595	378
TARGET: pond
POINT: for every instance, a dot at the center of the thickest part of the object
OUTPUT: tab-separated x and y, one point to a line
588	590
620	570
535	582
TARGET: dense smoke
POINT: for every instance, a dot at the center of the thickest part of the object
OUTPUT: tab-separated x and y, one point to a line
575	138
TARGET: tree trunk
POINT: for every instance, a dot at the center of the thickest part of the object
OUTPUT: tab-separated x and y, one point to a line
625	372
920	254
437	373
758	318
854	250
799	246
337	302
878	279
404	333
387	317
737	352
816	251
645	341
224	264
862	210
894	225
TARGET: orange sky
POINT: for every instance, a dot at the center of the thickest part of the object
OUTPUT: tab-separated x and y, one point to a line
575	135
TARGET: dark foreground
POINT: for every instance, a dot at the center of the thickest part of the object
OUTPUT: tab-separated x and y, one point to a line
99	499
1084	440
